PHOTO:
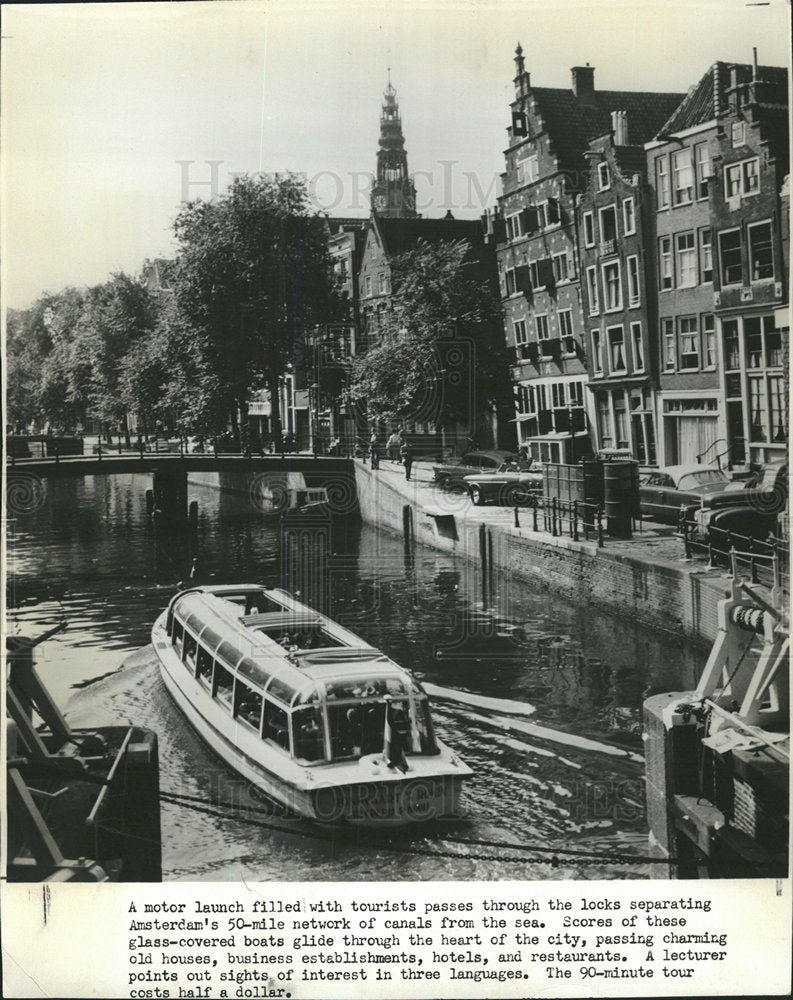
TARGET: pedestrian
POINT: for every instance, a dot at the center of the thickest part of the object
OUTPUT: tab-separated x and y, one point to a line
407	457
393	445
374	450
523	454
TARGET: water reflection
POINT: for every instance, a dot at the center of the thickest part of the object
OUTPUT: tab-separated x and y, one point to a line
91	556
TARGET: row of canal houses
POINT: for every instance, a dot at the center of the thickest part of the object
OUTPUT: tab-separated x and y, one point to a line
641	245
642	251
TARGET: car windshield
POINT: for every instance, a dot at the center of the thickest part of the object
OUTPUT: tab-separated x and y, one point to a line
516	466
702	477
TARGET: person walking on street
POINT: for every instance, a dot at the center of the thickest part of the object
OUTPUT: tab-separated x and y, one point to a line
407	457
374	450
393	445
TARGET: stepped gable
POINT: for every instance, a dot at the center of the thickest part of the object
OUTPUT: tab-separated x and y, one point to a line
572	121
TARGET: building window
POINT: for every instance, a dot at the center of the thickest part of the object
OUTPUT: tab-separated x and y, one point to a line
704	169
528	170
589	229
368	285
604	181
762	342
730	256
686	260
566	323
510	280
537	277
519	328
662	182
741	179
612	286
553	215
732	348
592	289
709	340
761	260
621	420
541	322
514	226
738	134
608	224
758	420
597	356
668	344
382	283
638	347
665	264
632	265
688	344
776	408
706	255
616	341
560	267
628	216
682	176
604	420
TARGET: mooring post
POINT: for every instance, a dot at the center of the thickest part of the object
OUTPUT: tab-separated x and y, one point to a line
600	526
575	520
517	519
534	517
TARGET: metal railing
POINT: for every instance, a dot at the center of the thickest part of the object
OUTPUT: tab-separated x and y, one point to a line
759	558
571	517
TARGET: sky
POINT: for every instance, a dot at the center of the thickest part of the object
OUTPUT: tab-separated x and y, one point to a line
111	113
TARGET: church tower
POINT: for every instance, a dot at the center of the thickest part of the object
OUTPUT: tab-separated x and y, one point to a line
393	192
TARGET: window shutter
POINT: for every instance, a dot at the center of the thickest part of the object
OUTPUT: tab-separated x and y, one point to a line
523	279
545	272
520	127
531	222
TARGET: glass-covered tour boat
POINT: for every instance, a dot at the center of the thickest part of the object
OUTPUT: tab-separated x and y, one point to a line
305	709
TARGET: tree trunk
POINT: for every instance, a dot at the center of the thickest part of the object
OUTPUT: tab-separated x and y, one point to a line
126	430
108	434
235	428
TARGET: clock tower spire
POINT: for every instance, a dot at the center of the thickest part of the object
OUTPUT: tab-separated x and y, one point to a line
393	191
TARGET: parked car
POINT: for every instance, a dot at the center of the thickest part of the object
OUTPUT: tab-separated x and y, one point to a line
514	483
663	492
751	512
451	475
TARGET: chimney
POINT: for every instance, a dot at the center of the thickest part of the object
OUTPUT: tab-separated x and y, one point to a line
619	126
583	81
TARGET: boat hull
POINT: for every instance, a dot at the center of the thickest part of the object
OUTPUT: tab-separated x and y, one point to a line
363	793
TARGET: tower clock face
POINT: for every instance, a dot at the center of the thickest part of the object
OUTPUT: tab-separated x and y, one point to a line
380	201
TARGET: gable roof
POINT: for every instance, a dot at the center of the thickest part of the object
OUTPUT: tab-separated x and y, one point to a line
709	97
400	235
572	121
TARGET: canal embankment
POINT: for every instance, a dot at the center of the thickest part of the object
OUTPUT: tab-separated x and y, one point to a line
645	578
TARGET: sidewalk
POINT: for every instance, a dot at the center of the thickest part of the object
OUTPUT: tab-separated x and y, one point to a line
645	577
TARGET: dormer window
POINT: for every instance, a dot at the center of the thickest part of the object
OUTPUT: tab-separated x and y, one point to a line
604	178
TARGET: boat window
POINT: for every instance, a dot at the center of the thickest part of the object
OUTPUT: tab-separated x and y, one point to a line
223	684
228	653
210	639
423	728
358	730
309	732
195	622
254	671
366	687
189	654
248	705
276	724
204	665
278	689
178	635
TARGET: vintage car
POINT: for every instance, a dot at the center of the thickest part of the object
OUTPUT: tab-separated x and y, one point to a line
751	512
663	492
451	475
515	483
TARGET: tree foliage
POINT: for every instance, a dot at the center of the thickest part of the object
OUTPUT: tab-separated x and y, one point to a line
252	276
441	352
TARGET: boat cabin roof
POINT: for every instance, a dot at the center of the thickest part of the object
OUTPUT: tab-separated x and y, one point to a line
292	650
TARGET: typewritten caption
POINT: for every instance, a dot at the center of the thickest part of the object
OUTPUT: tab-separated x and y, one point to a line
277	947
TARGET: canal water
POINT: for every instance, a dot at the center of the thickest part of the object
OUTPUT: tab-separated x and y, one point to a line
540	697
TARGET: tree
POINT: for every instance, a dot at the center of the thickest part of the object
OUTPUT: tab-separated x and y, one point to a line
442	355
252	276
